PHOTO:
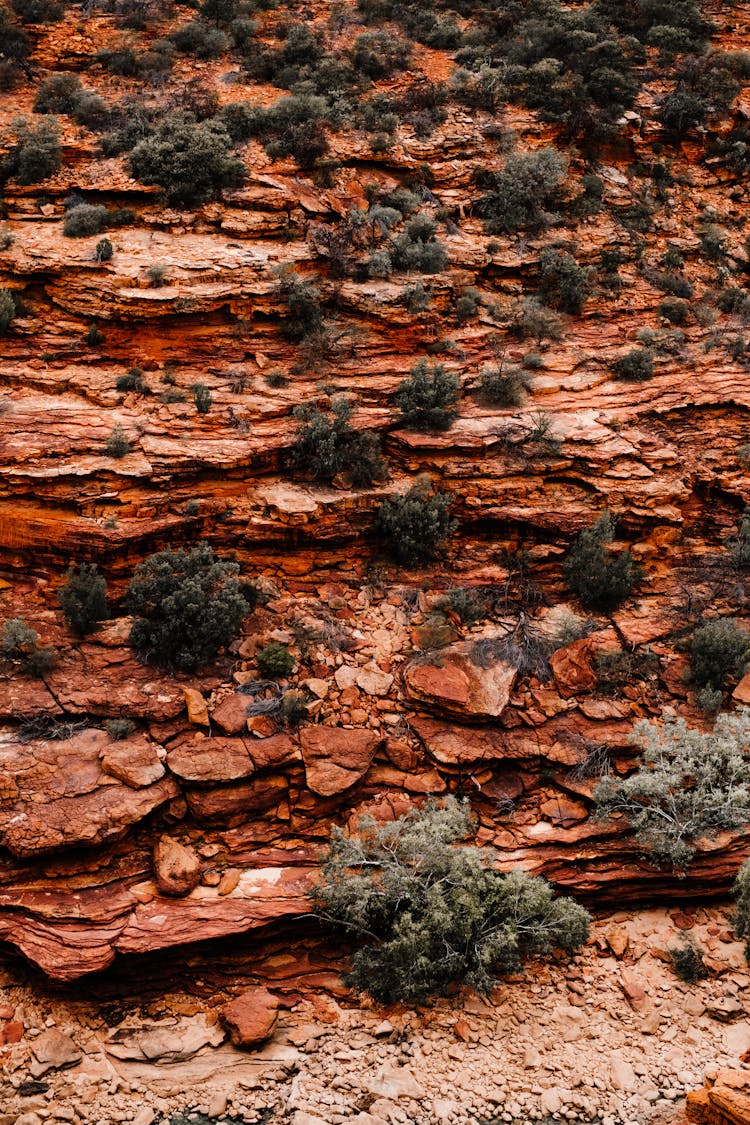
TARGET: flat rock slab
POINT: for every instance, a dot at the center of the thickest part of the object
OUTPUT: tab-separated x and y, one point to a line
336	758
53	1050
165	1042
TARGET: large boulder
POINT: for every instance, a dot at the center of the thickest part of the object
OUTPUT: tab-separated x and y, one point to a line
336	758
251	1018
468	679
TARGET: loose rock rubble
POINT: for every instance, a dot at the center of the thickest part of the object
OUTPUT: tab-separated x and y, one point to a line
613	1037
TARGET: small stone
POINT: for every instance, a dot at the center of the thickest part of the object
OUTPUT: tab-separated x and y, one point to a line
217	1104
251	1018
144	1116
197	708
177	869
383	1028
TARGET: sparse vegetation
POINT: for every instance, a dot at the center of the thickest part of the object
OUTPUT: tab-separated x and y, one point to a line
328	445
427	399
275	661
20	646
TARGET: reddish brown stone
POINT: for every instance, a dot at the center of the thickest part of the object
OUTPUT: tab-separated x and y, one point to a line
177	869
231	714
251	1018
336	758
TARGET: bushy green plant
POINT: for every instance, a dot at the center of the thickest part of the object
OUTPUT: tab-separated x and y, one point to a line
502	384
327	444
689	785
83	598
132	381
635	366
564	282
7	310
303	302
104	250
538	322
119	729
521	196
416	524
687	961
202	398
187	605
719	649
19	644
190	160
601	579
417	247
741	892
275	661
85	219
427	399
117	443
674	310
433	911
36	153
469	605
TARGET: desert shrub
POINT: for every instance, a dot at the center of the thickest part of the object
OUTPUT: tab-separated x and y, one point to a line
502	384
293	710
197	38
739	545
85	219
674	310
681	111
117	443
294	126
94	336
15	52
39	11
719	649
538	322
36	153
417	248
432	911
303	303
377	54
58	93
564	282
520	196
601	580
635	366
103	251
190	161
416	524
327	444
275	661
427	399
468	304
689	785
7	310
132	381
19	644
83	598
469	605
687	961
741	892
119	729
187	605
202	398
734	300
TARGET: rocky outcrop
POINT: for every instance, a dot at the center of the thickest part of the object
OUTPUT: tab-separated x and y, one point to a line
724	1099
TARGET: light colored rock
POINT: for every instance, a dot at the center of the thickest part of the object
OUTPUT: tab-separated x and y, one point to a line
144	1116
393	1081
53	1050
621	1074
372	681
197	708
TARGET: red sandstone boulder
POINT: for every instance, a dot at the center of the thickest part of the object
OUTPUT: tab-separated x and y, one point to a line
176	868
571	668
336	758
467	679
251	1018
231	714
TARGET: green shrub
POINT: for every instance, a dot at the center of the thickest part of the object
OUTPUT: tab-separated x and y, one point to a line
39	11
538	322
85	219
601	579
635	366
690	785
564	282
187	605
19	644
418	249
379	54
117	443
469	605
502	384
58	93
294	126
416	524
190	160
327	444
427	399
118	729
202	398
16	49
275	661
674	310
94	337
83	598
7	310
197	38
303	303
687	961
133	381
719	649
521	195
36	153
433	912
681	111
104	250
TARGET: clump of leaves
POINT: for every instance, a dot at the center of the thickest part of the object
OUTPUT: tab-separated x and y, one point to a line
687	961
20	645
416	524
427	399
433	911
275	661
600	578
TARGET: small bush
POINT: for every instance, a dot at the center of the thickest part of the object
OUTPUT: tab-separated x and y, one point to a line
7	310
36	154
427	399
293	709
719	649
417	248
502	384
202	398
303	302
741	892
327	444
187	605
416	524
117	443
39	11
83	598
119	729
469	605
58	93
537	322
198	39
681	111
433	911
19	644
190	161
600	579
275	661
94	337
133	381
564	282
674	310
689	785
521	195
636	366
104	250
85	219
687	961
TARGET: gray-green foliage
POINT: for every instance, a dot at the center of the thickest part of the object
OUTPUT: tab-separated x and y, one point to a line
416	524
719	648
690	784
19	644
433	912
327	444
741	890
83	598
521	195
187	605
427	399
601	578
36	153
192	161
7	310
